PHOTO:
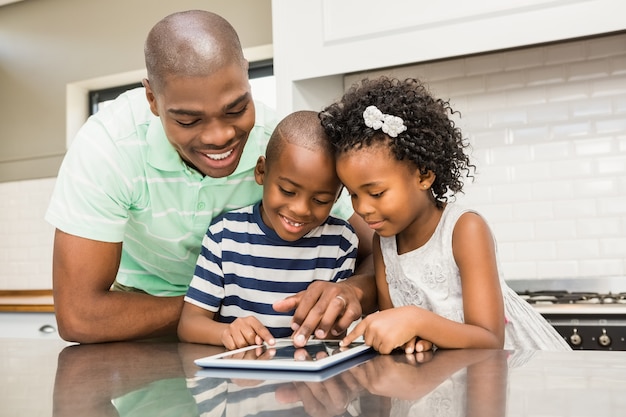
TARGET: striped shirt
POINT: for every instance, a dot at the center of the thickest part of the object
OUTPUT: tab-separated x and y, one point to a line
244	266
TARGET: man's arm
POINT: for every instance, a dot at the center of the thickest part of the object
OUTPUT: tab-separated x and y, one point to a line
87	311
324	305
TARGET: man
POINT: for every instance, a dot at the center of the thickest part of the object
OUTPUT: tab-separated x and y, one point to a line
142	181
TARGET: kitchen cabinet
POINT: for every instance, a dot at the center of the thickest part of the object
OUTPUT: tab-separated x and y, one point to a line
336	38
27	314
28	325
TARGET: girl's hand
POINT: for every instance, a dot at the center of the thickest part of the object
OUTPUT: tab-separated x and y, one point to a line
246	331
416	345
387	330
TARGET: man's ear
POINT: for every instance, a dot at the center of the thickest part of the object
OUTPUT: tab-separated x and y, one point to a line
259	170
150	97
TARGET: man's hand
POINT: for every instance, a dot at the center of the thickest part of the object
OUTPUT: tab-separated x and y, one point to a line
331	397
323	308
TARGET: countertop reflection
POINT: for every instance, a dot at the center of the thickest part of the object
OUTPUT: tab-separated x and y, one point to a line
161	379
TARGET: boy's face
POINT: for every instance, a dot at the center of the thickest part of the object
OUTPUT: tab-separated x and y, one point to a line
299	190
207	119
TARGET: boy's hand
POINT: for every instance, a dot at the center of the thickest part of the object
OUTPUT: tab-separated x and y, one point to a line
246	331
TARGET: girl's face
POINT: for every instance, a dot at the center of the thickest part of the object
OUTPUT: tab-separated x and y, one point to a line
299	190
388	194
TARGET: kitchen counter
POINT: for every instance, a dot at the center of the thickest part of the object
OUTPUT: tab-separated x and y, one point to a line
51	377
36	301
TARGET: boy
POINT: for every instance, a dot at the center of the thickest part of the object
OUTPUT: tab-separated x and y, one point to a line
254	256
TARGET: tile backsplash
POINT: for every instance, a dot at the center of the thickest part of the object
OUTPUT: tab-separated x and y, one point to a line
547	126
25	237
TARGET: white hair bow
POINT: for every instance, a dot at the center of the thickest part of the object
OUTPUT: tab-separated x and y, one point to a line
391	125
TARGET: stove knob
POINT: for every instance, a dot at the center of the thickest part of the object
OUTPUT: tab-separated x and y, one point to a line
575	338
604	339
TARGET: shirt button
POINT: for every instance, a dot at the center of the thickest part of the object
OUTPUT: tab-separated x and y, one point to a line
201	206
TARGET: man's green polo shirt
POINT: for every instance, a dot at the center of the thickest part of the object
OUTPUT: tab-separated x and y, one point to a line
122	181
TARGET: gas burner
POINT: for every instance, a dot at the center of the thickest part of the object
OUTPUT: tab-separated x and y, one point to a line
566	297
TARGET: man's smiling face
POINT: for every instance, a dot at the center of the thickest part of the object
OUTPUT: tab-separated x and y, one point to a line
207	119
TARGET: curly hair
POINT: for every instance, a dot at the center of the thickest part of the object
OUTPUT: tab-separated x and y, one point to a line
431	142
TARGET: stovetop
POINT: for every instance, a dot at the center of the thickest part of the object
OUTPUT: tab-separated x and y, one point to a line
589	313
567	297
602	295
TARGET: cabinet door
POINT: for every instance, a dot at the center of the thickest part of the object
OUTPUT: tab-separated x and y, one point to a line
28	325
316	40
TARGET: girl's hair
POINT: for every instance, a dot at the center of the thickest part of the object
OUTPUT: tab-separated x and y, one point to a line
431	141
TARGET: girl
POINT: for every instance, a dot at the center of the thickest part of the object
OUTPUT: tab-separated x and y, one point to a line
401	158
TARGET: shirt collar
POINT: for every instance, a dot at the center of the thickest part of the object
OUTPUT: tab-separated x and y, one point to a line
163	156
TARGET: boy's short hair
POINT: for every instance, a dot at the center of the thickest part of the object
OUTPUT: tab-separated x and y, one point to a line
302	128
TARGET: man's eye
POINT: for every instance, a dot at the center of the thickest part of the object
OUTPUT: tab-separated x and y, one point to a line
238	112
186	124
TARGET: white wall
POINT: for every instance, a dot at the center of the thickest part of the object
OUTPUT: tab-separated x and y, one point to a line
548	129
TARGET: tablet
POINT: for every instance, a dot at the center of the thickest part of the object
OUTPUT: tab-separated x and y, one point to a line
286	375
318	355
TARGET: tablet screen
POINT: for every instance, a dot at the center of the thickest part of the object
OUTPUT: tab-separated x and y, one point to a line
317	354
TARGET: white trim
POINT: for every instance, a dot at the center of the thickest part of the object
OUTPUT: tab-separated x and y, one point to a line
259	53
77	93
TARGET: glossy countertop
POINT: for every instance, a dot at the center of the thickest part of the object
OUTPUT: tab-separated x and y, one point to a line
53	378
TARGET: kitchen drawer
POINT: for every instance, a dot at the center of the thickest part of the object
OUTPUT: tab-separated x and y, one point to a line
26	325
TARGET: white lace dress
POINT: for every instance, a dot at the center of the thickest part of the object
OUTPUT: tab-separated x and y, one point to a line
428	277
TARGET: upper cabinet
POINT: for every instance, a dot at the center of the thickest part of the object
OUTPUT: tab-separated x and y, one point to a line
317	41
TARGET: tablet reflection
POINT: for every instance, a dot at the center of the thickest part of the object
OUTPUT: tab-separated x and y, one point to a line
446	383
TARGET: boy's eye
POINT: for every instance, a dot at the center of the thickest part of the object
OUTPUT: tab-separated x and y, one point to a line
282	190
377	195
322	202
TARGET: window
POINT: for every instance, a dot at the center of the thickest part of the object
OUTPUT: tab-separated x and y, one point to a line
262	83
100	98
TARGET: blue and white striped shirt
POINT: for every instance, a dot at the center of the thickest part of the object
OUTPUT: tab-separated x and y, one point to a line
244	266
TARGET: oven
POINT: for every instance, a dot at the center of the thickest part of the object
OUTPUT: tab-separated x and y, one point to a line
589	313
